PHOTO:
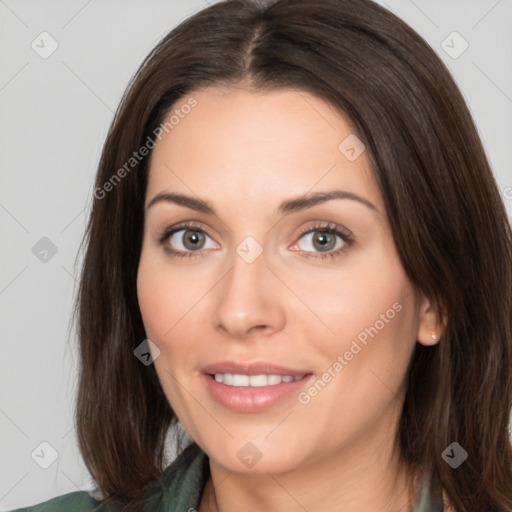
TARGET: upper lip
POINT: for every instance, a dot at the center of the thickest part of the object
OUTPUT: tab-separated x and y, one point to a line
248	368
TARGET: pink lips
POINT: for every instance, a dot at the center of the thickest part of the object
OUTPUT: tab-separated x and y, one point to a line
248	399
251	369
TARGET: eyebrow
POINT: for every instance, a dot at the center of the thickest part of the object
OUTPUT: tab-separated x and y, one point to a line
285	208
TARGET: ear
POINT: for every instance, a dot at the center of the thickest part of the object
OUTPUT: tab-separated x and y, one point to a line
430	329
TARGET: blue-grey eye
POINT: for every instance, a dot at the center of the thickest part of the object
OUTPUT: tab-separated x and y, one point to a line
189	240
322	241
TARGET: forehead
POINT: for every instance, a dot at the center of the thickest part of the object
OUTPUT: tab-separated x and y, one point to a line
258	147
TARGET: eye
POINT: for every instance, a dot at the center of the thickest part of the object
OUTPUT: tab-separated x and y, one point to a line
324	240
320	241
184	241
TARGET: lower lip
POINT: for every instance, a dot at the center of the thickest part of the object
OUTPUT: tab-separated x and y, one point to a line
253	399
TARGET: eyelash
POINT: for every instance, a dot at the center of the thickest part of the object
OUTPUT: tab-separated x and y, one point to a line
329	228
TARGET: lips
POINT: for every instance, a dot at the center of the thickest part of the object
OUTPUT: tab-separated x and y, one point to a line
256	368
239	395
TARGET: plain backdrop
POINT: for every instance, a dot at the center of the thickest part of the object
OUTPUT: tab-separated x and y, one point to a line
54	114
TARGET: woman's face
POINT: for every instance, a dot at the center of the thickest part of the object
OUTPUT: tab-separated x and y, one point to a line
259	289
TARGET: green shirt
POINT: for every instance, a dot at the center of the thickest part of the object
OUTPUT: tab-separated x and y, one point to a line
183	485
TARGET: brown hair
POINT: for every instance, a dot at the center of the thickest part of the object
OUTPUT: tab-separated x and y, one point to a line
446	214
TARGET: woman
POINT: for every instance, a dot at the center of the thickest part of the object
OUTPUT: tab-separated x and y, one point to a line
298	251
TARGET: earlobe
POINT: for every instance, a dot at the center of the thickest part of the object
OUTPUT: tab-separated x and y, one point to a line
430	329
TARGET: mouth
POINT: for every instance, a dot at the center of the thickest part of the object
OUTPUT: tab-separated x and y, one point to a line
253	387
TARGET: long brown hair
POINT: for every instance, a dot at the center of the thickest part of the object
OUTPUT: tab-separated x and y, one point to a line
448	221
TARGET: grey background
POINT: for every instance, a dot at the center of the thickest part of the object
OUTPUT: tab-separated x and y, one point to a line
54	115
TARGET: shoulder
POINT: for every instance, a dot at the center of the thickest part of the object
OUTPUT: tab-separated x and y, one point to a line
180	489
75	501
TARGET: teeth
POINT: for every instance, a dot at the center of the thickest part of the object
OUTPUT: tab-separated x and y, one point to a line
255	381
274	379
240	380
258	380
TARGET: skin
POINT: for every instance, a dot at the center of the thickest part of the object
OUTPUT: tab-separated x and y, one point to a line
245	152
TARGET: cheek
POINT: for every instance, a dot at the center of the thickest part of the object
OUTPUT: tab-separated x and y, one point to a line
371	312
376	326
365	361
164	301
172	304
369	308
369	296
165	295
153	297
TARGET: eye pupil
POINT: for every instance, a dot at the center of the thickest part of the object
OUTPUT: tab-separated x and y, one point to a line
196	239
326	240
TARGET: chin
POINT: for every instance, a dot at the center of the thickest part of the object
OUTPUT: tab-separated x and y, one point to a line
268	463
256	458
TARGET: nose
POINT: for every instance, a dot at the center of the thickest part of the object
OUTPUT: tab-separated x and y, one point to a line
248	301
